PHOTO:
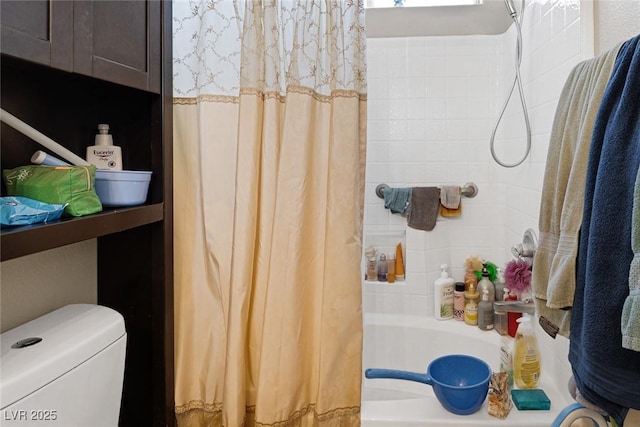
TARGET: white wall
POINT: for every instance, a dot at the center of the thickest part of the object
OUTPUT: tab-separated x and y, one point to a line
36	284
615	20
432	104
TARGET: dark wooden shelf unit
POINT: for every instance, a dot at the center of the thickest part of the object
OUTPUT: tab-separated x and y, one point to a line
67	66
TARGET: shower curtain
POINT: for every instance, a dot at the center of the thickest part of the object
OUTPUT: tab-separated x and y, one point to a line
269	143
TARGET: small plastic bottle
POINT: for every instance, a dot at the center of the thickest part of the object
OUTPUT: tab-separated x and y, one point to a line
526	356
458	301
372	270
443	295
485	312
382	268
391	268
399	270
471	305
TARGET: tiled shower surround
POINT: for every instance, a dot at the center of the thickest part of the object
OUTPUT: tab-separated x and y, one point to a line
432	103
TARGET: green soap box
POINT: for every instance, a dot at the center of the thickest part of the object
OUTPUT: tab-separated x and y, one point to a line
534	399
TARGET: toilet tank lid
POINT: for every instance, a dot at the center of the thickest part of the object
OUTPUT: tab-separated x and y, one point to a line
70	336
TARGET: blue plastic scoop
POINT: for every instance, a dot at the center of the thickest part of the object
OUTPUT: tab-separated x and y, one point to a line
460	382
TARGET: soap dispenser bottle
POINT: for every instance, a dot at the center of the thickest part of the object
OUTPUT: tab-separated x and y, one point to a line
485	312
104	155
526	356
443	295
487	284
499	285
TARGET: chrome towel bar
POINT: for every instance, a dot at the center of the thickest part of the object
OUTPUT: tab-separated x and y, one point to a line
467	190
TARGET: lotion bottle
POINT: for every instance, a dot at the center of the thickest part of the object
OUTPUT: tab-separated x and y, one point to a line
105	155
443	295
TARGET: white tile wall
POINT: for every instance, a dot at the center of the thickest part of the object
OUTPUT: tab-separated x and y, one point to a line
433	102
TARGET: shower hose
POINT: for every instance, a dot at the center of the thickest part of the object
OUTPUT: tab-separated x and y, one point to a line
518	80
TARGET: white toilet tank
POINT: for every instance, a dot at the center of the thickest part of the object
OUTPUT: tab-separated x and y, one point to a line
64	369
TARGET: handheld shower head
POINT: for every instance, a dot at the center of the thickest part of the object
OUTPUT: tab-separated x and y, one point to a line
510	8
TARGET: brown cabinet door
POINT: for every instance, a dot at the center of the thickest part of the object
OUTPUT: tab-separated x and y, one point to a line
119	41
38	31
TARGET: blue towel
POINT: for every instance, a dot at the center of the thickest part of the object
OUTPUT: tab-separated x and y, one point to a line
606	373
398	200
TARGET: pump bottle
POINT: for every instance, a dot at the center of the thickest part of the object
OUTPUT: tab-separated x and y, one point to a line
485	312
471	305
526	356
487	284
104	155
499	285
443	295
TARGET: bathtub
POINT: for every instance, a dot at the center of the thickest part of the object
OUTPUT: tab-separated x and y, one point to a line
411	342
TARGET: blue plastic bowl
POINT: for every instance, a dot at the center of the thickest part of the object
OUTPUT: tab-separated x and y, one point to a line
122	188
460	382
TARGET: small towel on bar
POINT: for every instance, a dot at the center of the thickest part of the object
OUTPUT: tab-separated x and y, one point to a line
631	309
398	200
425	203
450	201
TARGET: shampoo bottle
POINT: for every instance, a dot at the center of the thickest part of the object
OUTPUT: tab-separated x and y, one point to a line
104	155
443	295
485	312
486	284
471	305
526	357
469	279
499	285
